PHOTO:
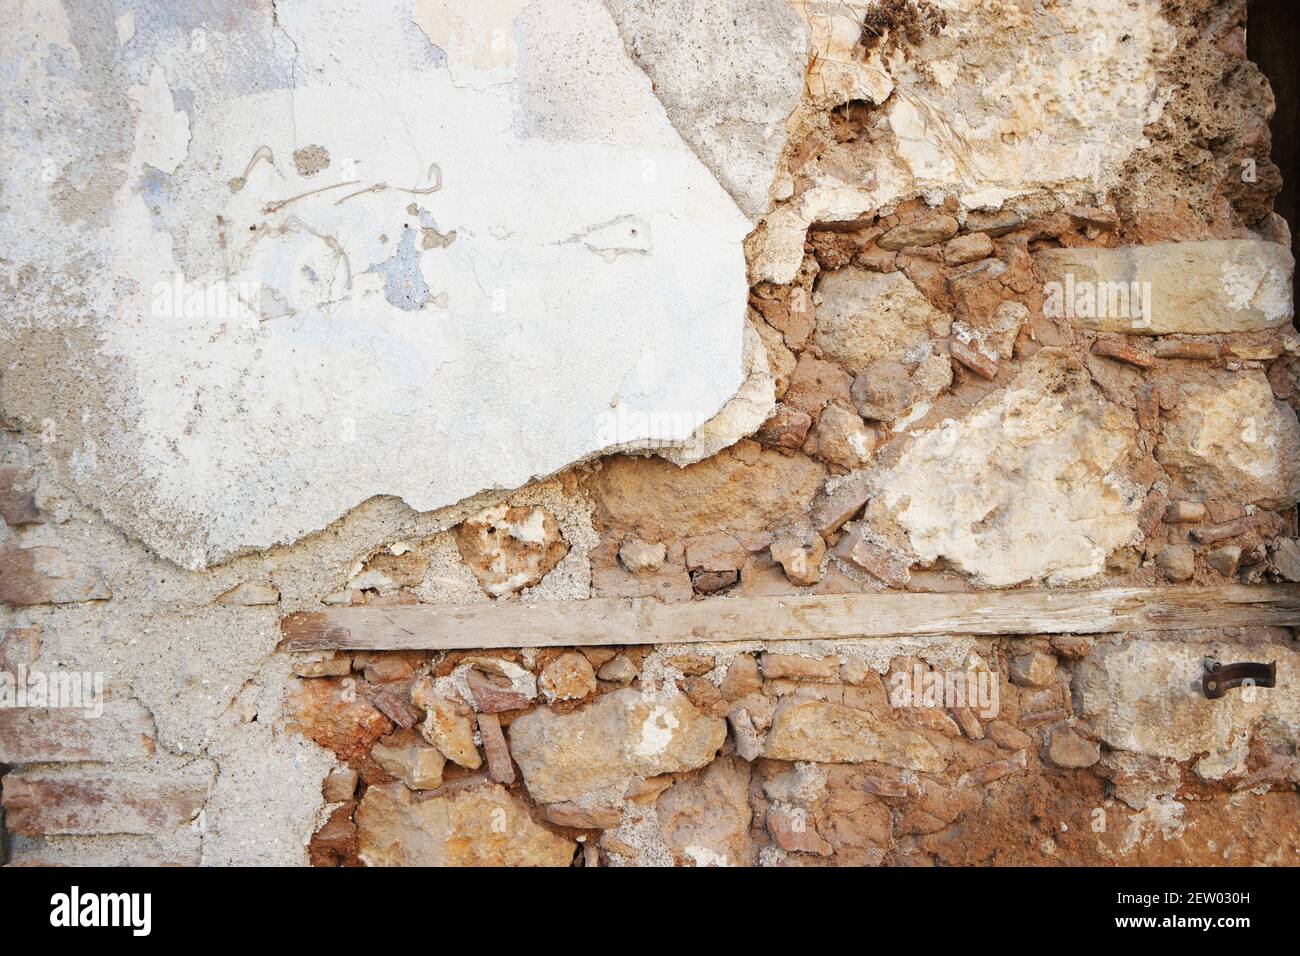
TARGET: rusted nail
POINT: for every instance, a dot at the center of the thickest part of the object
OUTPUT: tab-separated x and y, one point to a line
1218	679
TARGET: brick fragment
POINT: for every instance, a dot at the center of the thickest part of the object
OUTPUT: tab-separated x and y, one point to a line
1123	352
500	767
973	359
18	496
46	575
50	803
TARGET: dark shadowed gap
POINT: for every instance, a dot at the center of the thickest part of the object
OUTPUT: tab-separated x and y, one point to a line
1273	43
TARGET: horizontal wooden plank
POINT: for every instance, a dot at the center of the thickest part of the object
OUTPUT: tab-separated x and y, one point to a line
646	621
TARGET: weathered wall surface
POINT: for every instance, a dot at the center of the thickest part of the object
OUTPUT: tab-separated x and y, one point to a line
441	304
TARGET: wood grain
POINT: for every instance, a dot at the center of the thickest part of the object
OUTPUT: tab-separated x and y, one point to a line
797	617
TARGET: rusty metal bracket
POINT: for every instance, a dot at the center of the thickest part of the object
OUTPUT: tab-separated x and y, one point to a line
1218	679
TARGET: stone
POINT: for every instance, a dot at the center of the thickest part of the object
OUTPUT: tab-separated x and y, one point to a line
883	391
814	384
799	667
84	803
744	734
1184	512
645	791
337	666
582	818
1199	288
793	832
337	718
799	549
1105	219
46	575
1227	437
638	556
832	733
704	820
1008	737
622	734
250	595
786	428
410	760
1177	561
714	552
743	488
868	316
997	223
18	496
569	677
1066	748
967	248
423	422
1018	456
844	439
1034	669
340	786
692	665
447	724
742	678
925	233
878	560
1145	697
1225	560
500	767
479	826
839	500
510	548
1284	558
388	669
618	669
711	582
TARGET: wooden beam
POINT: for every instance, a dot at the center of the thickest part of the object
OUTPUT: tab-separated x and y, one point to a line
796	617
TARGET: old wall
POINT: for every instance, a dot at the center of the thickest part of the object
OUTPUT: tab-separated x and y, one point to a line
433	304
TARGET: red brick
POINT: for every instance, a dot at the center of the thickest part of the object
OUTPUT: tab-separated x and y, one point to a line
48	803
59	735
45	575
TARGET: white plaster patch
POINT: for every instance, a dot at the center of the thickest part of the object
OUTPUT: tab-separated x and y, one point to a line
456	300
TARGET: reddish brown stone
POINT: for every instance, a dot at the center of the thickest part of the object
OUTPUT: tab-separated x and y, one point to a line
786	428
795	834
333	715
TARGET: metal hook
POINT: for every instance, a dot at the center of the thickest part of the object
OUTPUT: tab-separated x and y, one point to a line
1218	679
